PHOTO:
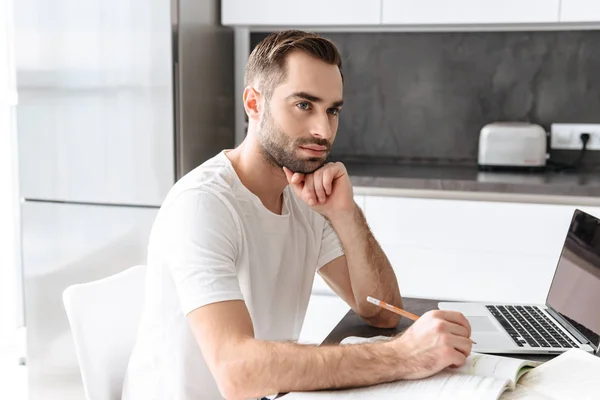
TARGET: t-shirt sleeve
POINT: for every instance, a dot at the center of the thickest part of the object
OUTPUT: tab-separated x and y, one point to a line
202	240
331	247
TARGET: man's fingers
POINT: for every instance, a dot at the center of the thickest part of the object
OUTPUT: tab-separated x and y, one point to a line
297	187
298	177
331	172
458	330
462	344
458	359
296	184
319	189
328	176
288	174
314	188
455	317
308	192
293	177
338	169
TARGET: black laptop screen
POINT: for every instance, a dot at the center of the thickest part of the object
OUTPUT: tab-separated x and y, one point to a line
575	289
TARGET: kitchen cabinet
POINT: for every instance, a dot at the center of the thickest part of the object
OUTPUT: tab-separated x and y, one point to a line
580	11
299	13
471	250
360	201
323	314
403	12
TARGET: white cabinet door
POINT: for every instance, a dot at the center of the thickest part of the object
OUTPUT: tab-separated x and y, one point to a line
474	226
470	250
323	314
297	13
360	201
469	11
580	11
470	276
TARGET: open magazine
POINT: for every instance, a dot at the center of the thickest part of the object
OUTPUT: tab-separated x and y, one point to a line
482	377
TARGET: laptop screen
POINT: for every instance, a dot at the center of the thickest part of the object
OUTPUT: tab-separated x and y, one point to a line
575	288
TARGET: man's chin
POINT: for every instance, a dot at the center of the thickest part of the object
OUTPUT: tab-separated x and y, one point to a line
306	167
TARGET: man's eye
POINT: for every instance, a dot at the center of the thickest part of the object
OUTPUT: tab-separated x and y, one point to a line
334	111
304	105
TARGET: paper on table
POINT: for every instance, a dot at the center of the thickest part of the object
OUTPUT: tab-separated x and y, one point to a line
443	386
358	339
572	375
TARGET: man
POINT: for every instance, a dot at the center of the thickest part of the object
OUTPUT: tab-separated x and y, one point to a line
236	244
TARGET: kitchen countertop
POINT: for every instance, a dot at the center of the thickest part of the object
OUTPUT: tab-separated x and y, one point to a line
470	179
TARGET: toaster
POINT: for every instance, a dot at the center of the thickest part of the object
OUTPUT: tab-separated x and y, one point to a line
512	146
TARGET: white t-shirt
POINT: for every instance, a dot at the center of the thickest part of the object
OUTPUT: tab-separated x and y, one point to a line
213	240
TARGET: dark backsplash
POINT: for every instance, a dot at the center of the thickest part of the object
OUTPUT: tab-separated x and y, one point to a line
423	97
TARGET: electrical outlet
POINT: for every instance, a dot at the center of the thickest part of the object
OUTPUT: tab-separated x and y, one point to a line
568	136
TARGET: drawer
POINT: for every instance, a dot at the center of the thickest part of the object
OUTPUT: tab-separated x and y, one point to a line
474	226
461	275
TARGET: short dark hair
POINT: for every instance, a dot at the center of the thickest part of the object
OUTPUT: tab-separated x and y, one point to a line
266	64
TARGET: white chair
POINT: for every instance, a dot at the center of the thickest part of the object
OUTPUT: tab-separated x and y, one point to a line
104	317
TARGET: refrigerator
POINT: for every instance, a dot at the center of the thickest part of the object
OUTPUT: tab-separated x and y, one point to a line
117	99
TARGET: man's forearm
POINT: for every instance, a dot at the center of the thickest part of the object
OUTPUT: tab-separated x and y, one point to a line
371	273
278	367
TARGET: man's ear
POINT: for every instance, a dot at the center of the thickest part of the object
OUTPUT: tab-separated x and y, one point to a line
252	102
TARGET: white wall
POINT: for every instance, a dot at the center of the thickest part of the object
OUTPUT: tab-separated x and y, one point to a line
8	203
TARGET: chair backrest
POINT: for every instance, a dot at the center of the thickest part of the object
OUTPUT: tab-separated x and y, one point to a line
104	316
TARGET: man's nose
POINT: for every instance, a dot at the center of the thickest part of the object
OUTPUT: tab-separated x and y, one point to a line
321	127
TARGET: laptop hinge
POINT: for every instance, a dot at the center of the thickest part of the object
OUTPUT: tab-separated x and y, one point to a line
572	330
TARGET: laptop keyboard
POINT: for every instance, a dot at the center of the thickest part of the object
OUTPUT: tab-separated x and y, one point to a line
529	325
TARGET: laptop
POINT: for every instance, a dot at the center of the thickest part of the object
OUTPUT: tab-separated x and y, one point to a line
569	319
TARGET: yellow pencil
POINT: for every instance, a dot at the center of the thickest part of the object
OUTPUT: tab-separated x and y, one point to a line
391	308
396	310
